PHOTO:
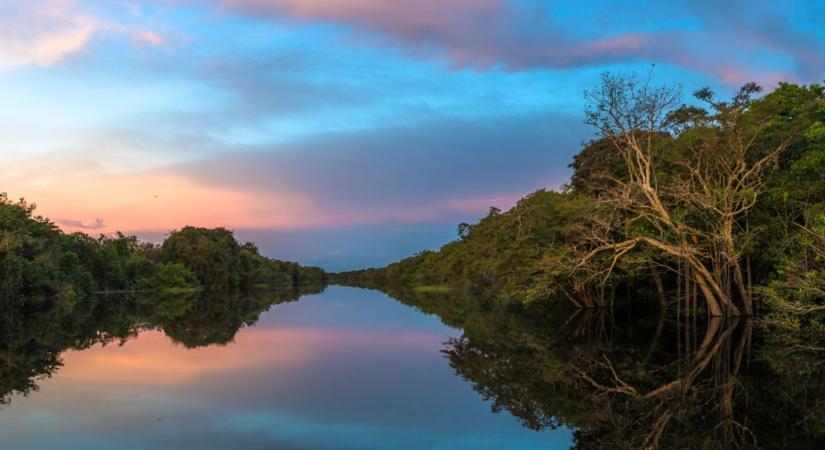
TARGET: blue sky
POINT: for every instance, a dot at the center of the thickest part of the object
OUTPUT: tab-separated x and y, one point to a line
373	126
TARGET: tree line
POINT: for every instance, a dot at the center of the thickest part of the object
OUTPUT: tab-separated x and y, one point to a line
41	263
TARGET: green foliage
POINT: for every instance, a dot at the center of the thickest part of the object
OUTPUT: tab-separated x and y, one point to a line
40	263
223	265
168	277
505	253
37	260
213	255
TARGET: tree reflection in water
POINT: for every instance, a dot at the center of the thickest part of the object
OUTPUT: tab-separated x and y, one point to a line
618	380
34	333
639	382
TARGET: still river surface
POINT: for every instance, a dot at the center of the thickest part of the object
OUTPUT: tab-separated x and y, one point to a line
345	369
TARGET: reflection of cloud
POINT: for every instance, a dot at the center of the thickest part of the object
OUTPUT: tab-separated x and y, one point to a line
152	359
283	430
77	224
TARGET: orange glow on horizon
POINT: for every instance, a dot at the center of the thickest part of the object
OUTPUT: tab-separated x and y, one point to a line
159	201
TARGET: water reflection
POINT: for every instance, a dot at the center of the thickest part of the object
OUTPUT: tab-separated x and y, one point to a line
640	382
34	333
345	369
351	368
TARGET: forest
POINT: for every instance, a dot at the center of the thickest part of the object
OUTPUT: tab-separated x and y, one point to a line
712	206
39	263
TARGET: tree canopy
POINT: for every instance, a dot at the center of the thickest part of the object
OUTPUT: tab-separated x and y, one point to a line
40	263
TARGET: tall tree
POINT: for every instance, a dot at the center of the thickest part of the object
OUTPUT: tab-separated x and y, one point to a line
696	214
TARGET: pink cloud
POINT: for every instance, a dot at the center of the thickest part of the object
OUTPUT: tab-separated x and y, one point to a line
43	33
160	201
447	208
46	32
482	34
407	17
150	37
470	33
736	76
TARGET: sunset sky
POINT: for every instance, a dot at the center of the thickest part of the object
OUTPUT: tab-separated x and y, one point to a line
344	133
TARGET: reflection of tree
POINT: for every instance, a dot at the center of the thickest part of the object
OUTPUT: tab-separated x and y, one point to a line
625	381
514	382
215	318
693	393
34	334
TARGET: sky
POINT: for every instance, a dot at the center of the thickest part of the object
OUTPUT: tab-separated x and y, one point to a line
342	133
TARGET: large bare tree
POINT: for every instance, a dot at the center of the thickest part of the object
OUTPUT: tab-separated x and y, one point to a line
692	176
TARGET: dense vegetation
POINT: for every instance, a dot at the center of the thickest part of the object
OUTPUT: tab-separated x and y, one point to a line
716	206
40	263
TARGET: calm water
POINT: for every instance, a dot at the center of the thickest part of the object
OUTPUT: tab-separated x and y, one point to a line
347	368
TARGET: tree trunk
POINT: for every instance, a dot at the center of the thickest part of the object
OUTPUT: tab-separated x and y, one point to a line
660	287
743	290
715	295
714	309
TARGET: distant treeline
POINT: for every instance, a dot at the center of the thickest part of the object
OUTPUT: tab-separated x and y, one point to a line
39	262
717	208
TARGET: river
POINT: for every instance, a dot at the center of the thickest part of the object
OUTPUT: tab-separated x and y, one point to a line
344	369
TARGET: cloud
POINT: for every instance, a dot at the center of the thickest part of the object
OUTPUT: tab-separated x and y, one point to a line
444	171
159	200
451	29
150	37
42	33
719	39
79	225
406	18
744	26
450	168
